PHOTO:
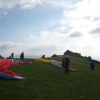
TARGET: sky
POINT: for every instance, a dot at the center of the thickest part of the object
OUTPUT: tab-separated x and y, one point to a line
47	27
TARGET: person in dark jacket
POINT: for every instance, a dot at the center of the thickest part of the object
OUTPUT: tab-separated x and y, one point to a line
66	63
22	55
43	56
92	66
0	56
12	55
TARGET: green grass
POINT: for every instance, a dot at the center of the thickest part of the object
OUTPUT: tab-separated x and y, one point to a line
44	81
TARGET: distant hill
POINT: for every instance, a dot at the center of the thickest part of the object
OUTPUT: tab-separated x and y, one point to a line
70	53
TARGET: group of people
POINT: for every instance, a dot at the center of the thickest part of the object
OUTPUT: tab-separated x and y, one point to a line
66	63
12	56
21	55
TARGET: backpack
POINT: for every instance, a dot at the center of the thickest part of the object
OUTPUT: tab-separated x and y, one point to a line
64	62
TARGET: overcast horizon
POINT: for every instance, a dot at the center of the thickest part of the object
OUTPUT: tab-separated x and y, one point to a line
47	27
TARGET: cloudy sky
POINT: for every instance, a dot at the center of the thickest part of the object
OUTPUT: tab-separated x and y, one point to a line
50	27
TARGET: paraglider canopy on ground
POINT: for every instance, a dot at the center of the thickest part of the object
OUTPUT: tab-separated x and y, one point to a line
6	63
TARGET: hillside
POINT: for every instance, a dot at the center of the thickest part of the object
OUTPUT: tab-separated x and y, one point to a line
78	55
44	81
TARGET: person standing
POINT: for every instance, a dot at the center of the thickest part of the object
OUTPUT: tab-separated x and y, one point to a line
66	63
92	66
22	55
0	56
43	56
12	55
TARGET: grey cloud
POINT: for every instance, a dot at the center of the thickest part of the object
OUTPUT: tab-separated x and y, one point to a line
87	18
9	4
4	46
25	4
75	34
96	31
46	47
96	18
6	5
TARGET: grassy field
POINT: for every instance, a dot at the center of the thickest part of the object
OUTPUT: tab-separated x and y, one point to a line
44	81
